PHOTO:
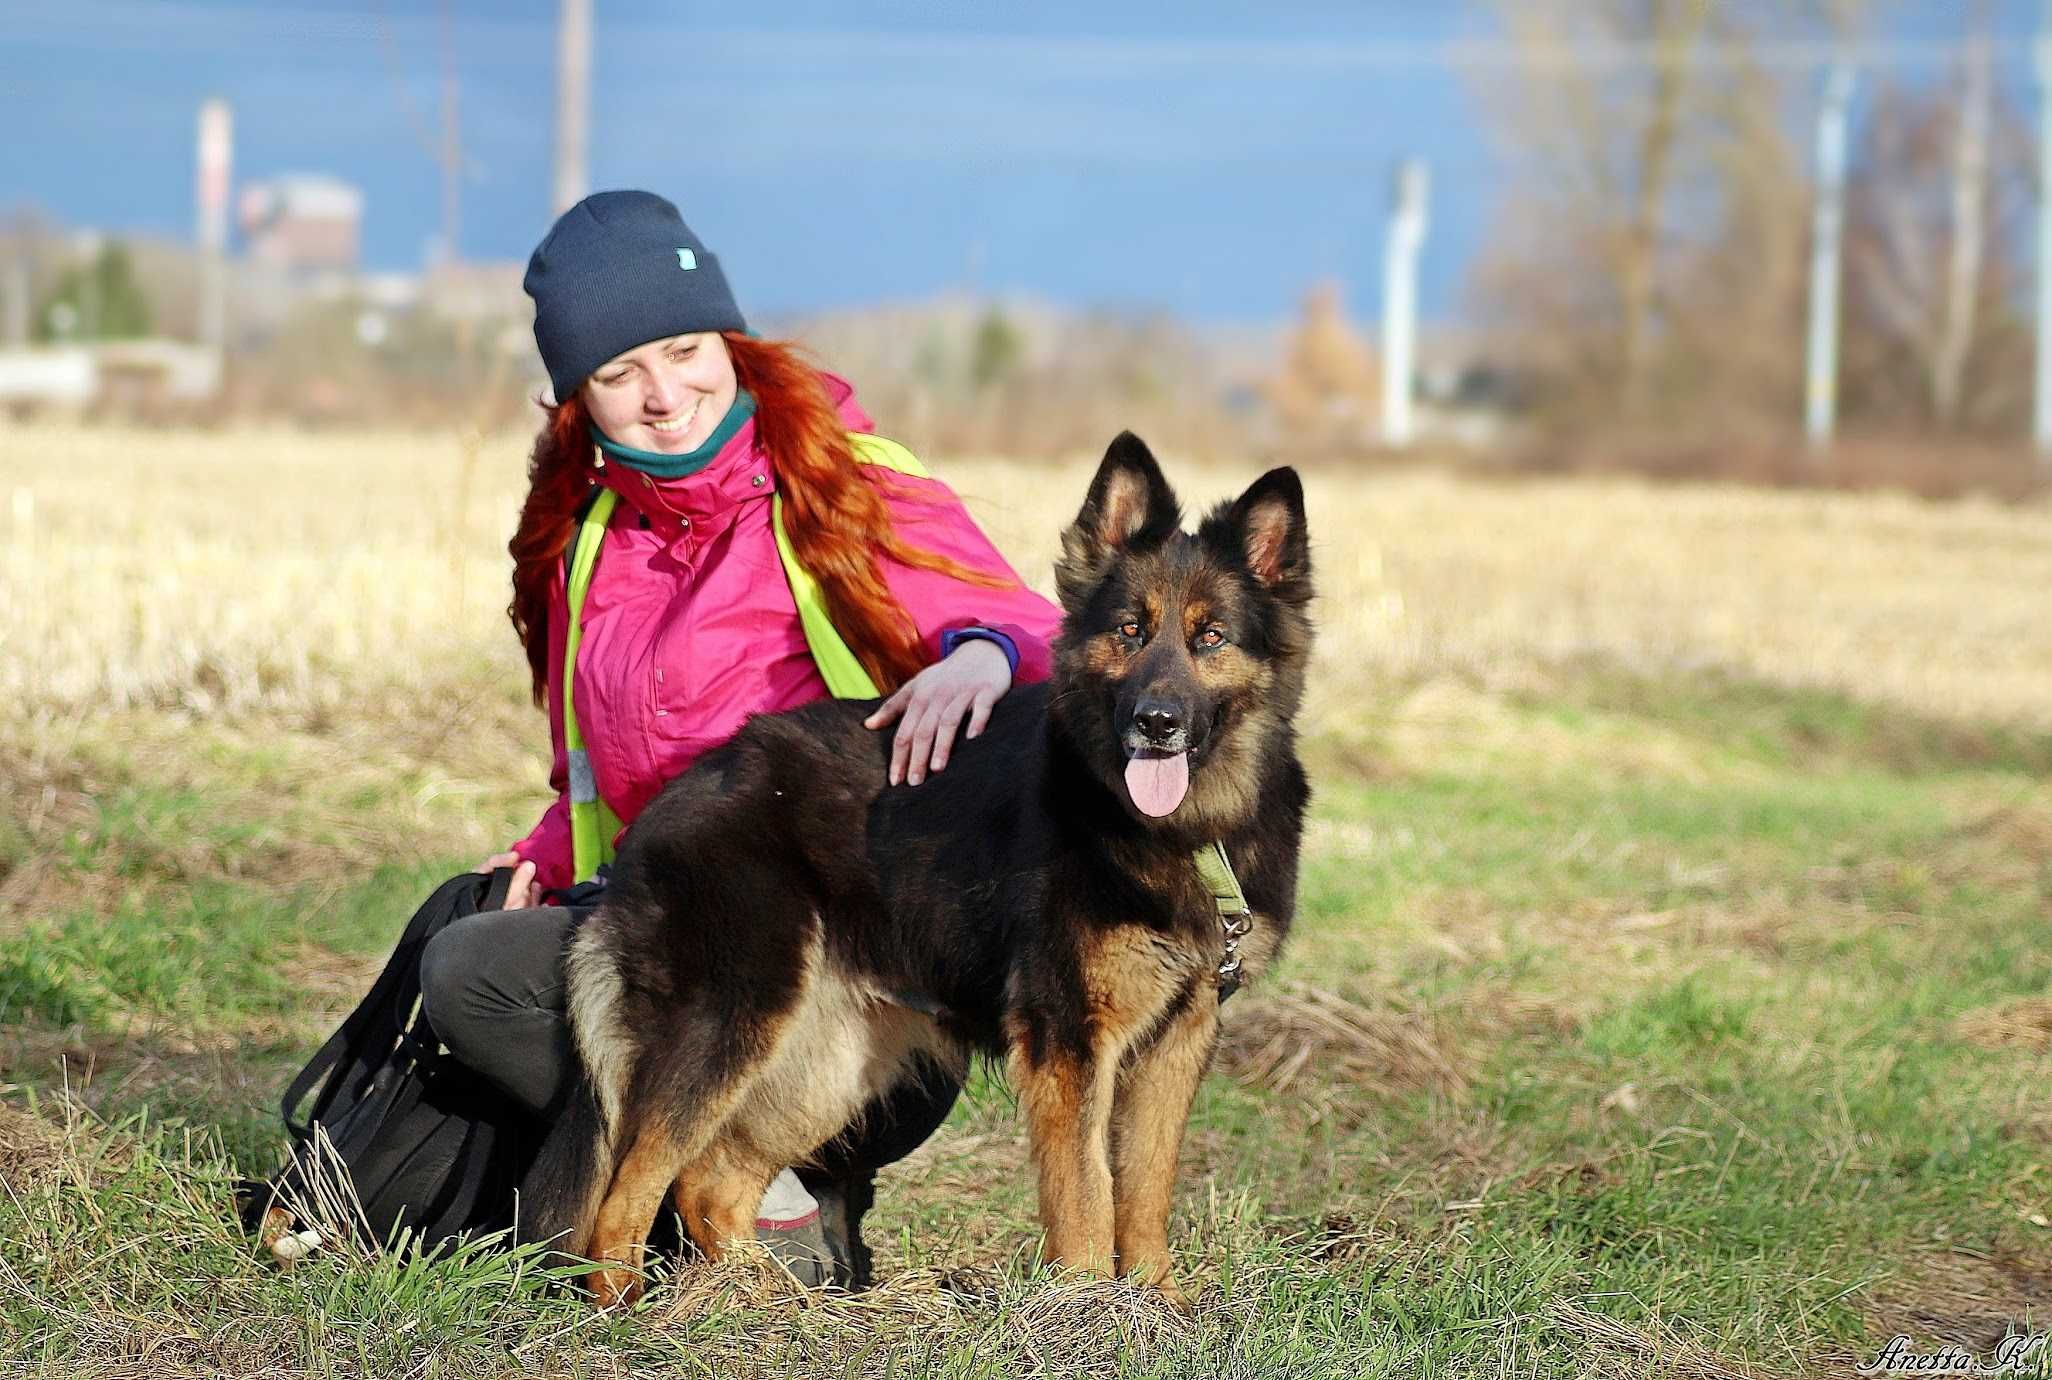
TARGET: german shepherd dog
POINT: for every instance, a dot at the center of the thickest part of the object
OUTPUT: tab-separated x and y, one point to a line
741	992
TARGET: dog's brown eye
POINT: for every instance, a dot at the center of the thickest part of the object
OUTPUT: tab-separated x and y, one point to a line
1211	637
1129	630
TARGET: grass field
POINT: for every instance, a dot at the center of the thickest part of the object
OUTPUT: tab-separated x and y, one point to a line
1672	993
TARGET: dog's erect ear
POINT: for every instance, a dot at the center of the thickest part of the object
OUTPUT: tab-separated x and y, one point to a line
1129	503
1267	524
1128	498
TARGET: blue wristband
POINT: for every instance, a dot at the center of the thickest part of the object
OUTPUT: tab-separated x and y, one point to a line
955	637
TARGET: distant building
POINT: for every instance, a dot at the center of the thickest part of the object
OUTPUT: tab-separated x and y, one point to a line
305	223
122	377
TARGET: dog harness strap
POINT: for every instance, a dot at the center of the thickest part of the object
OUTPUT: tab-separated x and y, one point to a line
593	825
1235	916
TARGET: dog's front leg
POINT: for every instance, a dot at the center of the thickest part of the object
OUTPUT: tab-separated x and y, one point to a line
1068	1101
1148	1119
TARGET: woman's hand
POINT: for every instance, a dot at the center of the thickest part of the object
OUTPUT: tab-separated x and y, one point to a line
972	678
523	893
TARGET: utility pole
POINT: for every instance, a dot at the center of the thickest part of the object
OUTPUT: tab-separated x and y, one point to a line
87	246
573	82
2043	421
16	334
1820	392
452	148
1400	299
215	145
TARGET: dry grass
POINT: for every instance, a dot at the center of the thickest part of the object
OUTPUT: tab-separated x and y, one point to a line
293	569
1280	1033
2024	1023
1964	1296
1630	1350
35	1151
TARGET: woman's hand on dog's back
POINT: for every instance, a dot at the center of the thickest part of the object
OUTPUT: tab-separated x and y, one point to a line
969	680
523	892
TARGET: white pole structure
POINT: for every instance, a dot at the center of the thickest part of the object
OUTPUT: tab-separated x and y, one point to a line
1400	300
16	292
215	153
573	84
452	146
1820	392
2042	423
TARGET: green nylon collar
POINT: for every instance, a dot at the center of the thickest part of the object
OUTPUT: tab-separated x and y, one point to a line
661	466
1217	873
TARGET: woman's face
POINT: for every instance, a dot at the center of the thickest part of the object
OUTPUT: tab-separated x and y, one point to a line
665	396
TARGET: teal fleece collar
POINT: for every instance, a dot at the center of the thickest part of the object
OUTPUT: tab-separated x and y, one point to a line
662	466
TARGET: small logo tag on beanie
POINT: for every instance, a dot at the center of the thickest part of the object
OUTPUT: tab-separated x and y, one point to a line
686	259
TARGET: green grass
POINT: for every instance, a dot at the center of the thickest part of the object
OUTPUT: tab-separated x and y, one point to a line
1690	982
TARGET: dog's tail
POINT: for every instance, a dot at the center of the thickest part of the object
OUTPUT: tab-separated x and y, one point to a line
561	1192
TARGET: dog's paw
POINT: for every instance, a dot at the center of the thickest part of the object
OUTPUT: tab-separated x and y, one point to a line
1173	1296
614	1288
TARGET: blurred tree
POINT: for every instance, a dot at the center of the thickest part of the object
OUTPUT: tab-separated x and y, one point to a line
1607	140
996	350
1737	293
100	300
1650	265
1938	225
1969	201
1328	386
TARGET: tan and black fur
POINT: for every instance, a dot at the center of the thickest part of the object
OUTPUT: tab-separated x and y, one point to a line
785	937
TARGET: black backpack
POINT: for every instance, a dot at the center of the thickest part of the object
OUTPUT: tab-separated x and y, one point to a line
429	1147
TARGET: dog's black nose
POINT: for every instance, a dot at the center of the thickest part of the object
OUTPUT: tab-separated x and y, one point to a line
1158	721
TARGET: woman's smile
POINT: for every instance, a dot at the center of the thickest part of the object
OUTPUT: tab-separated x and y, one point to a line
667	396
678	426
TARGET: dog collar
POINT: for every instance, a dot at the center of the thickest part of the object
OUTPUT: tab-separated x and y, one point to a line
1235	916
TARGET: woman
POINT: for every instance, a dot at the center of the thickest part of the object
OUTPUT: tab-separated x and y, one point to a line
690	624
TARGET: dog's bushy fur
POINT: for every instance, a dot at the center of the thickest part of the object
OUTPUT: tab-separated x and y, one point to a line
785	936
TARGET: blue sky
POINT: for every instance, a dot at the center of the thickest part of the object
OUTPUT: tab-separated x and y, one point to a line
1206	157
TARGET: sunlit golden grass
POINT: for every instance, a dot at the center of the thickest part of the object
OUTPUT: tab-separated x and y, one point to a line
295	569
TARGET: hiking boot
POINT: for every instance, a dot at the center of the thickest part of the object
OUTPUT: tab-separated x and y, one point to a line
788	1223
841	1205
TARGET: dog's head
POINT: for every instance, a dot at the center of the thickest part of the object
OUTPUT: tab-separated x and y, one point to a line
1182	658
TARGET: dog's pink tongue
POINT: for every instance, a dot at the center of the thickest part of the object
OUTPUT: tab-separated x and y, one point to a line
1157	784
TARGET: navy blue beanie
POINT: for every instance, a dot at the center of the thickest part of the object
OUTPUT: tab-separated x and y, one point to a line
617	270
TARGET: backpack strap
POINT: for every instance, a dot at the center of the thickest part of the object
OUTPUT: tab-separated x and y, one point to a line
366	1038
584	507
593	825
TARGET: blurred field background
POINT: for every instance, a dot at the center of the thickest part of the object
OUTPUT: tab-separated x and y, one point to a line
1672	991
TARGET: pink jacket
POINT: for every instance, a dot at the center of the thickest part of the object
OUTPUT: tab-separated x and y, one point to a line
689	624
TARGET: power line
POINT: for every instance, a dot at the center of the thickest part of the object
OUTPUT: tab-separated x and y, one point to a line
167	25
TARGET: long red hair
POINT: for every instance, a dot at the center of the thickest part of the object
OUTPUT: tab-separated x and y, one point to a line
834	512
